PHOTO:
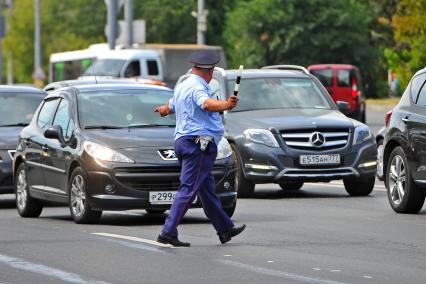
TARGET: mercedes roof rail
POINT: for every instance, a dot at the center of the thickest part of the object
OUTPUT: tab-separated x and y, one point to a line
287	67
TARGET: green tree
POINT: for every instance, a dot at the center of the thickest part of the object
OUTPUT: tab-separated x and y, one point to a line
262	32
409	53
66	25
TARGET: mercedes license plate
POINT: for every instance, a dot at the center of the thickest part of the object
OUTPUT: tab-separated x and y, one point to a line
163	197
331	159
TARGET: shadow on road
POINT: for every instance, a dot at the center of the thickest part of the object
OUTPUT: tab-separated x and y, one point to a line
7	202
296	194
122	219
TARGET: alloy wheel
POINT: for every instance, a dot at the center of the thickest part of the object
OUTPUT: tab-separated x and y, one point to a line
397	179
78	196
21	190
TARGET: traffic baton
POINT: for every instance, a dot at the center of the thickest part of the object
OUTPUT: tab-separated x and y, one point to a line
237	85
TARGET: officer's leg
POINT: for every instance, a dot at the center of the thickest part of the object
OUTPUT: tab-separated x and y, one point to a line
192	176
213	207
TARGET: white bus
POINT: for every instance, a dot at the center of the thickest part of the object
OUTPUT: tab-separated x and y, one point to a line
70	65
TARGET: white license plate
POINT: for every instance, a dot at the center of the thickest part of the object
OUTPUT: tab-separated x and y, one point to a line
163	197
331	159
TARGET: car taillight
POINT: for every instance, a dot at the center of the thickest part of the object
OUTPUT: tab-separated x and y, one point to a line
354	88
388	117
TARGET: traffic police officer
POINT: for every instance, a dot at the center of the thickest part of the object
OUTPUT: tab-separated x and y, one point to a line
198	130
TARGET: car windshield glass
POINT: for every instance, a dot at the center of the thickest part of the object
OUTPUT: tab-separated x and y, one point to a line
324	75
17	108
105	67
272	93
108	109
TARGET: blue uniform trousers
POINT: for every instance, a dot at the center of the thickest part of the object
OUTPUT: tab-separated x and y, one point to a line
196	178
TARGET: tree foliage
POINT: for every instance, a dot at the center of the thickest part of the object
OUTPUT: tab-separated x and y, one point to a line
409	53
263	32
65	25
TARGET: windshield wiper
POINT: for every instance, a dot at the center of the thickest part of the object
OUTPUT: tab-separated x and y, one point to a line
15	124
103	127
149	125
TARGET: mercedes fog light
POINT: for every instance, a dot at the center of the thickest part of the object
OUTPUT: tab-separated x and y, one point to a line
226	185
110	189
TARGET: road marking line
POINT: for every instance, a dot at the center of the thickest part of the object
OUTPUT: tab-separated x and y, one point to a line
46	270
228	255
316	269
367	277
271	261
277	273
134	239
335	270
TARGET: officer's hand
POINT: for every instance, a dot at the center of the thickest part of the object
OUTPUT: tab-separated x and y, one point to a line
162	110
232	102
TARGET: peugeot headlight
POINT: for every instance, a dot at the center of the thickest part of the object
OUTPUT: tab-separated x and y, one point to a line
106	154
261	136
362	134
223	149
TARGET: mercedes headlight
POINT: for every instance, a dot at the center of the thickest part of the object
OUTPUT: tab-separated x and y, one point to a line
261	136
105	154
223	149
362	134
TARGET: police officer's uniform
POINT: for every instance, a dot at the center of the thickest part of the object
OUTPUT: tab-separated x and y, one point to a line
194	125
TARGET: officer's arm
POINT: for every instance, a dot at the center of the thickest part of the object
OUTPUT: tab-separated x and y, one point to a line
164	109
220	105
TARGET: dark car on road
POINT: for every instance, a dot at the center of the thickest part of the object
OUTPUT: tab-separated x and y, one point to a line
404	156
17	105
344	83
101	147
286	129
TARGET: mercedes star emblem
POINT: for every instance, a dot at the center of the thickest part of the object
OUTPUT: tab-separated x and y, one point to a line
317	139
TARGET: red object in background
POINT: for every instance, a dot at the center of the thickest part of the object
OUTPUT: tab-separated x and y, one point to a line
388	117
344	83
148	81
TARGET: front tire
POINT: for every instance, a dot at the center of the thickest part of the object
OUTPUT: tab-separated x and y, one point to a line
245	188
291	185
359	187
79	207
27	206
380	148
403	194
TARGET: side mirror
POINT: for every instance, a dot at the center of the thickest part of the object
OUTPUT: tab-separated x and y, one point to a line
343	106
55	132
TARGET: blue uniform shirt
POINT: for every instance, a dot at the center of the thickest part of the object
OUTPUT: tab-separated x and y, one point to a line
191	117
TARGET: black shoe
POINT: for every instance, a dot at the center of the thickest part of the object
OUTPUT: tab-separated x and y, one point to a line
226	237
171	241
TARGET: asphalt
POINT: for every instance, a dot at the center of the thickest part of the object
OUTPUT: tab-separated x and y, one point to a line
316	235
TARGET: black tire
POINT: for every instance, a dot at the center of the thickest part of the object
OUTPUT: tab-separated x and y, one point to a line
413	197
359	187
155	211
77	200
244	187
230	210
27	206
291	185
379	172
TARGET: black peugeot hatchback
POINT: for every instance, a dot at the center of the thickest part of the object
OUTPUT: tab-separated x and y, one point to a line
404	156
17	106
101	147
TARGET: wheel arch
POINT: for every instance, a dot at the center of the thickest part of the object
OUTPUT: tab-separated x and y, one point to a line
390	146
74	164
18	160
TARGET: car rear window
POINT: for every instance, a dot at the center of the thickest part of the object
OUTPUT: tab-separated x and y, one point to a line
324	75
344	78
